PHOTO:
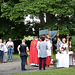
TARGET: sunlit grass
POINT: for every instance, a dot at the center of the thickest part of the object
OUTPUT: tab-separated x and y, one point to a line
63	71
16	56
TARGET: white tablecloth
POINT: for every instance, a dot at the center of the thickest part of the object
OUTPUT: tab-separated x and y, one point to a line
64	60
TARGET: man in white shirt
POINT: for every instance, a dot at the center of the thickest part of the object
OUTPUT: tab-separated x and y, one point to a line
1	51
10	46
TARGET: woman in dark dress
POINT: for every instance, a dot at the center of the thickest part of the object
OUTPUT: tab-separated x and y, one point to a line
23	53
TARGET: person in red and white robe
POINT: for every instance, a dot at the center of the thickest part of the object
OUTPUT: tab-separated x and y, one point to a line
33	54
64	46
48	59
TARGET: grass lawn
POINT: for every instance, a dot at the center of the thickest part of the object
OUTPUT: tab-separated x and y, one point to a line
16	56
63	71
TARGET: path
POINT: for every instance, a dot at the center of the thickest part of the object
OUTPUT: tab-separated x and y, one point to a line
14	67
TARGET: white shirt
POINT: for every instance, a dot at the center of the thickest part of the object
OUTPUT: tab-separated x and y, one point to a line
42	49
5	48
10	44
1	46
63	45
49	48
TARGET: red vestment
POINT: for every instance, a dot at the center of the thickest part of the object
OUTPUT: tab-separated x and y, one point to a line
33	52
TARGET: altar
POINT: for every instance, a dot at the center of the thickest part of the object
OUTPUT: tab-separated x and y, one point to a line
64	60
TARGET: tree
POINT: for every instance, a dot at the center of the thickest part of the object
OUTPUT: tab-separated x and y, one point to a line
15	10
10	28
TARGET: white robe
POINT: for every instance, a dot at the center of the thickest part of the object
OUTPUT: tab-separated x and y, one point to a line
49	48
64	45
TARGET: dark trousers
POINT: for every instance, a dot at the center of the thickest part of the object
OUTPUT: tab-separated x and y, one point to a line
23	60
1	56
40	63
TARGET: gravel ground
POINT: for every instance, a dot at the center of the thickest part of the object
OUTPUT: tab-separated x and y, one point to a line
15	67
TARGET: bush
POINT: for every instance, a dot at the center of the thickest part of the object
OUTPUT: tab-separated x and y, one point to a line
73	43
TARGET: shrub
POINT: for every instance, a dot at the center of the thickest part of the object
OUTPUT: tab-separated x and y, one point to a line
73	43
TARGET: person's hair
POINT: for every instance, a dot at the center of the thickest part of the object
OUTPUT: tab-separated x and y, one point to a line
10	38
42	38
59	38
46	37
63	39
4	40
23	40
36	37
0	39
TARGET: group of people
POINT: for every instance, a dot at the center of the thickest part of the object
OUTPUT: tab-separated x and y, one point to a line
39	53
6	48
62	45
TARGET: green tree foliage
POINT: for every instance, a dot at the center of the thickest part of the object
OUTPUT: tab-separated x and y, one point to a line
11	25
15	10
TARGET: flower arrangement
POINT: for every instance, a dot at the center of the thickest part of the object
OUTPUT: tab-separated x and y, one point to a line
54	61
63	48
57	50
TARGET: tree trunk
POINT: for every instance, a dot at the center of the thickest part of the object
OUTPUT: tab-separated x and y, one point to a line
41	17
48	18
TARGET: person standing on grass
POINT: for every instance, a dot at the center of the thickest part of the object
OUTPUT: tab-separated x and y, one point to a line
42	53
10	46
23	54
1	51
5	52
